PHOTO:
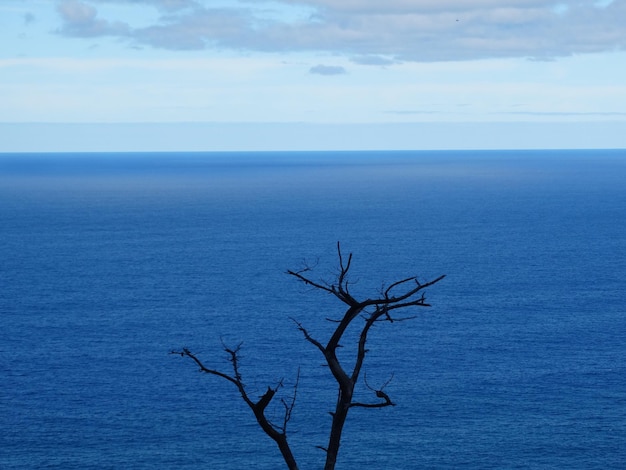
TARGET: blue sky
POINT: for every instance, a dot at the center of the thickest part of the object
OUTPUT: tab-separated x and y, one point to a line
104	75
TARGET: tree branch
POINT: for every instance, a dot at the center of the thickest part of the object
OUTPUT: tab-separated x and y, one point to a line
276	433
395	284
407	295
308	337
387	402
379	393
340	290
290	406
236	380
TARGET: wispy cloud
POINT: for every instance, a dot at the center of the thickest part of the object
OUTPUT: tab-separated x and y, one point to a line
567	113
373	60
327	70
166	5
28	18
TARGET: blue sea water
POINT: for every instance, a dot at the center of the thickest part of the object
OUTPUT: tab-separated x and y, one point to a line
110	261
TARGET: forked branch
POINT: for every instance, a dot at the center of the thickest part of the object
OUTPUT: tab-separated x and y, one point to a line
277	433
379	393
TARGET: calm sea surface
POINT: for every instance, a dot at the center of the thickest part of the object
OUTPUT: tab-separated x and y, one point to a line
110	261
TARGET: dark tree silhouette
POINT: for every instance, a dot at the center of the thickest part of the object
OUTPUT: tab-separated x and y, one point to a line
403	294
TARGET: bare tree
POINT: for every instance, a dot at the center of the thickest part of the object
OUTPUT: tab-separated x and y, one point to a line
403	294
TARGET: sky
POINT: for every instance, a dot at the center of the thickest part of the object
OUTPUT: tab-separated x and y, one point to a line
202	75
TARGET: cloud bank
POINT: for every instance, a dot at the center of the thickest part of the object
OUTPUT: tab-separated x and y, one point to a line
368	31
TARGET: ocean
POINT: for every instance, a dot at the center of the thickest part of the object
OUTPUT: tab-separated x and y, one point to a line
110	261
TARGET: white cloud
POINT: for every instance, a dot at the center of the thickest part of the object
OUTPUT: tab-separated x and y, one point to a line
396	30
81	19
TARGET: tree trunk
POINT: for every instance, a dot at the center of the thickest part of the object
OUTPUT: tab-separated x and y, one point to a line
339	419
287	455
